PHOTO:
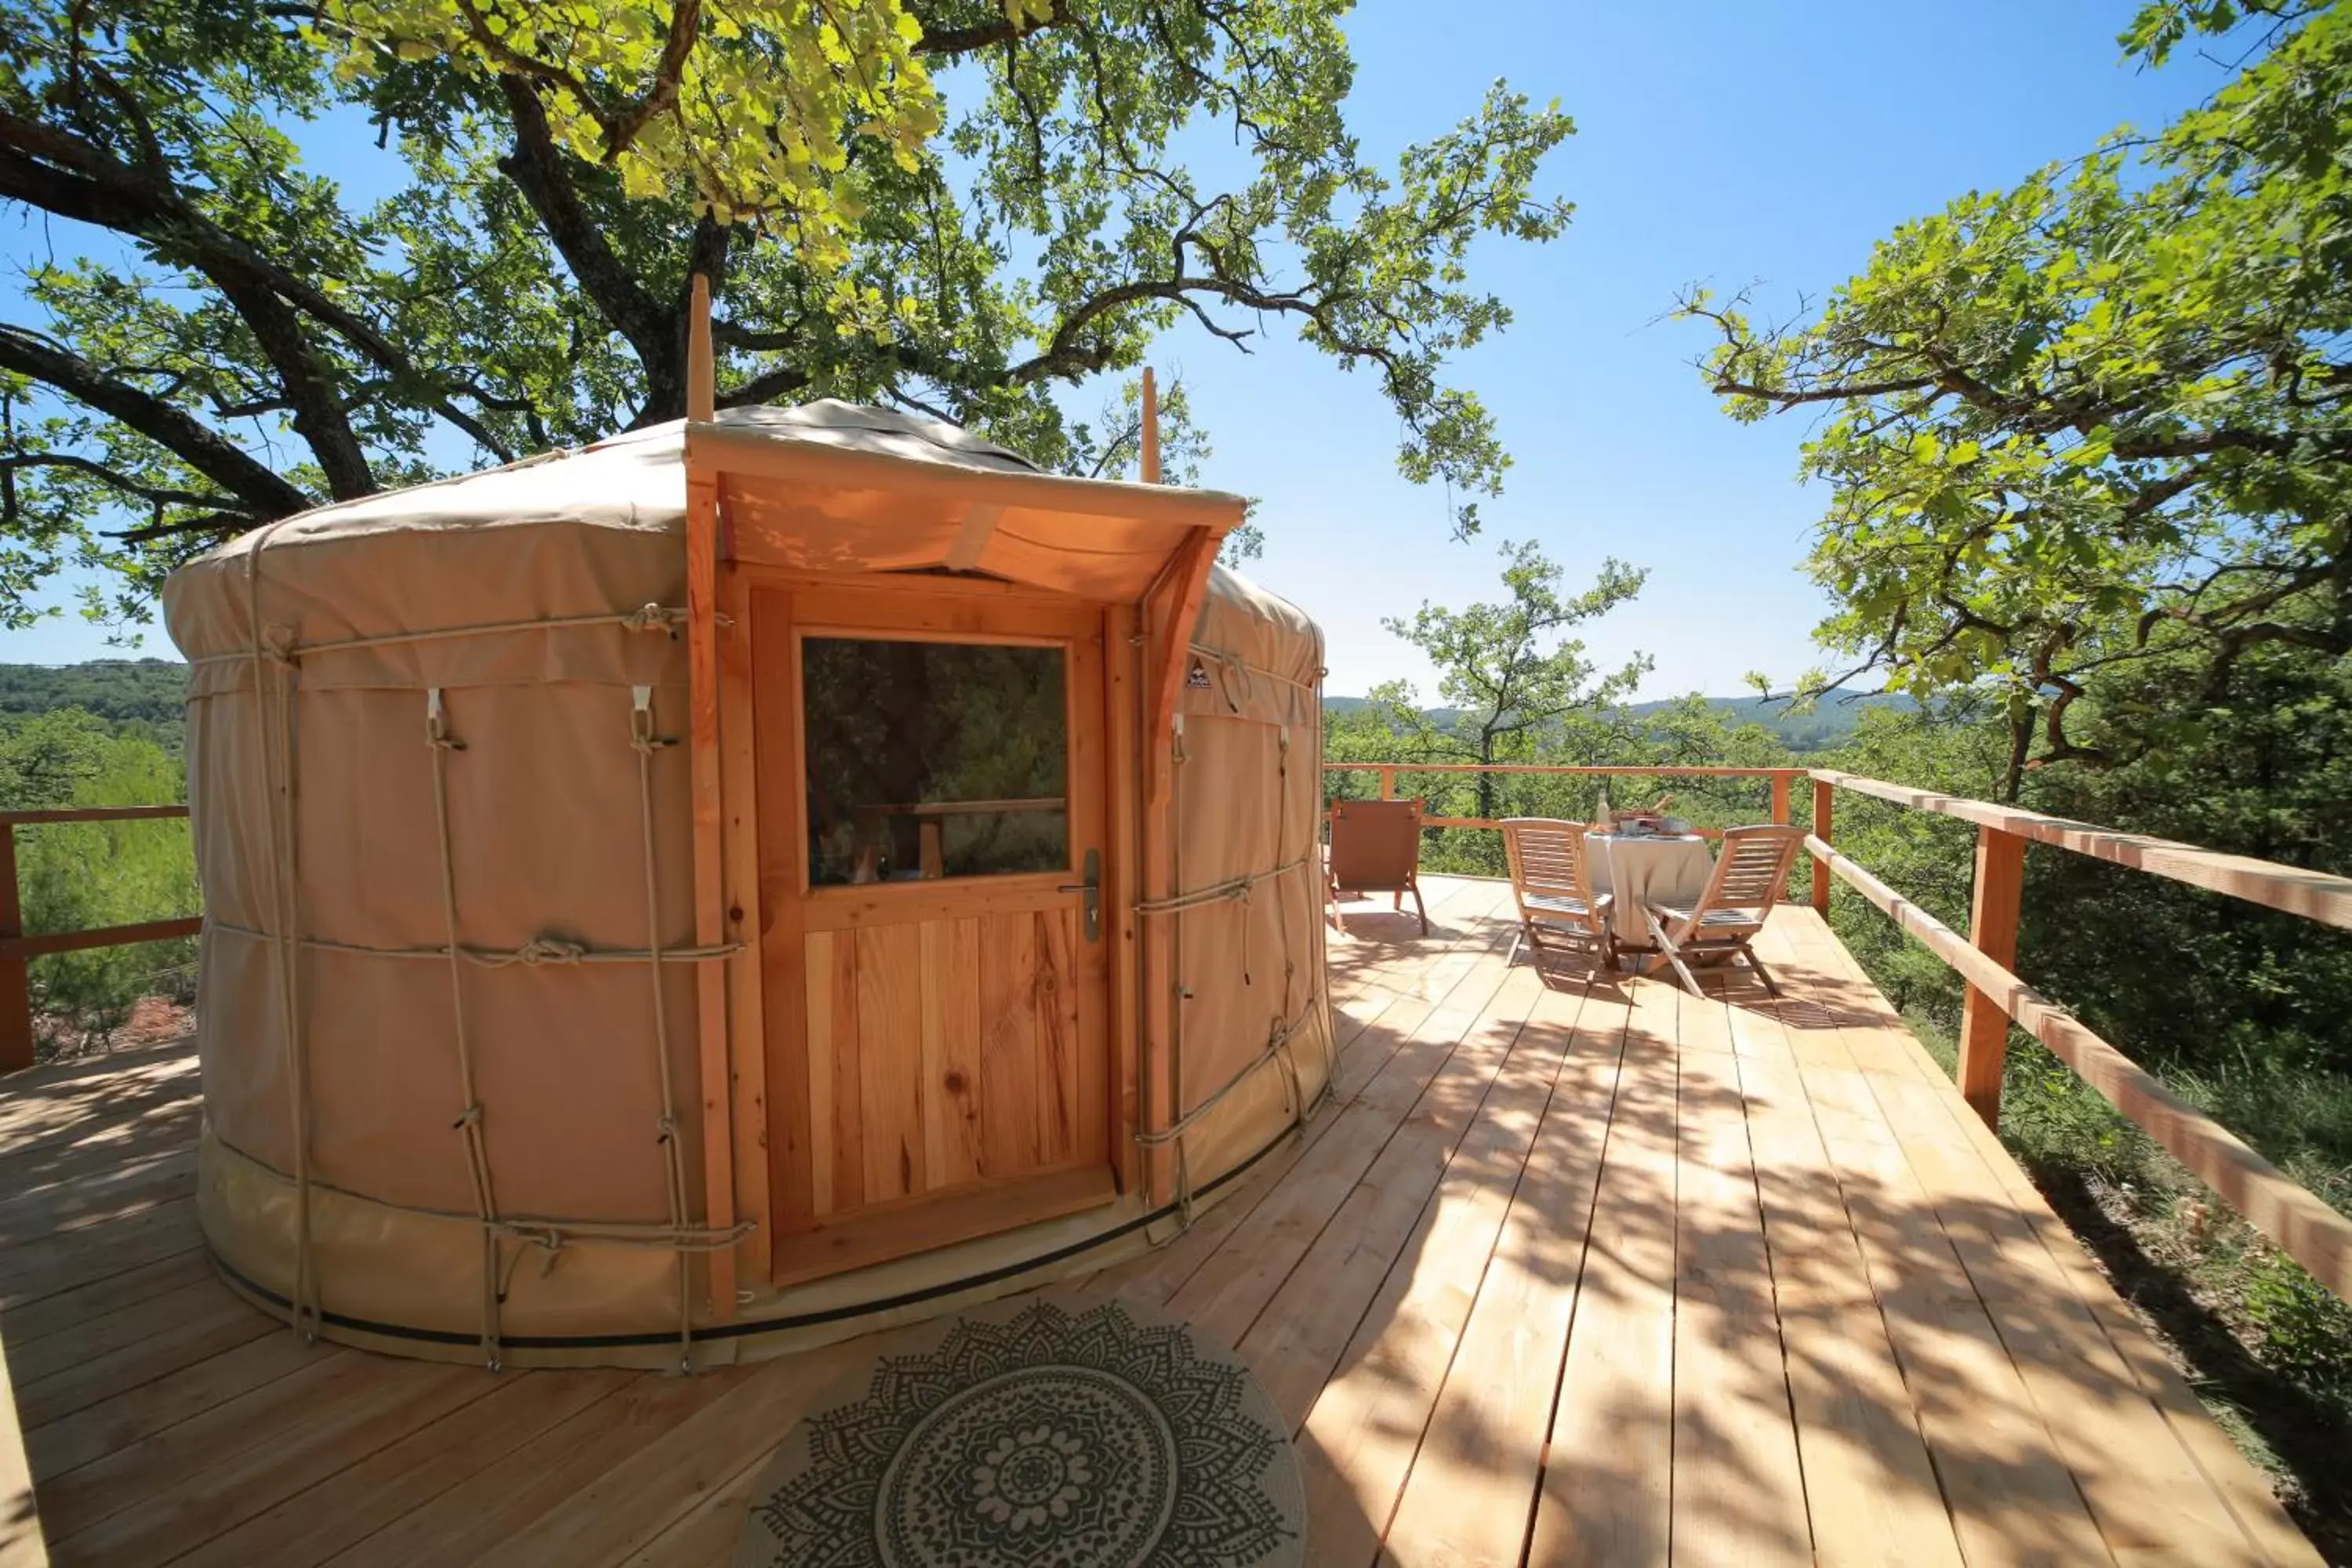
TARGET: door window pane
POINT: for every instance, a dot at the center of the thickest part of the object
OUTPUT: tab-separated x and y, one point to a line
933	759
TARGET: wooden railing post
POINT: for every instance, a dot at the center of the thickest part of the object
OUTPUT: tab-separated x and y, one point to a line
1388	783
15	982
1992	931
1781	799
1822	792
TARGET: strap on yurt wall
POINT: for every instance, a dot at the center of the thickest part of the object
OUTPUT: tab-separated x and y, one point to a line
276	661
712	1019
276	667
469	1114
645	742
1185	1113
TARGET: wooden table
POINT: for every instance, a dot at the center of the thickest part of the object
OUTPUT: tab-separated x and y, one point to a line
1644	869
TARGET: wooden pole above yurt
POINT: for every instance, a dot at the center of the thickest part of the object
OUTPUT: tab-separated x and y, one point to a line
1150	428
709	849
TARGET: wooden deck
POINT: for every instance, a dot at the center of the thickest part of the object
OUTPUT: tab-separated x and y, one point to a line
1577	1271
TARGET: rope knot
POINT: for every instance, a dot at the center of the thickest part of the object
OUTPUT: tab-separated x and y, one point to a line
652	618
468	1117
541	949
666	1128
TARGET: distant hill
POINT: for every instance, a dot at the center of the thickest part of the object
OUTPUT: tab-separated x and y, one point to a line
1827	725
119	691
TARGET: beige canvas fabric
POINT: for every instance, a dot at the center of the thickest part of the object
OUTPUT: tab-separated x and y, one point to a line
459	698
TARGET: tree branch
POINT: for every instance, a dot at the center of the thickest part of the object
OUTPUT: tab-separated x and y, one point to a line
538	169
163	495
949	41
196	444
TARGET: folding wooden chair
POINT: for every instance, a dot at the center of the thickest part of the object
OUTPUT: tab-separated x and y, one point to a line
1376	849
1750	877
1553	886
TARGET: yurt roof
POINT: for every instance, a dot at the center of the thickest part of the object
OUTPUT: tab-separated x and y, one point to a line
827	486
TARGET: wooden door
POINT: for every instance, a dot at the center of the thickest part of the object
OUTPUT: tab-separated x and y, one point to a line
931	771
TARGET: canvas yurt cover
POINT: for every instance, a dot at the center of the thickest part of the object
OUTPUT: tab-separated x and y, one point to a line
558	1007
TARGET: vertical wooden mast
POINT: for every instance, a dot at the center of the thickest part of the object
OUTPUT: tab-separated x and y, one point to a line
709	858
701	376
1150	428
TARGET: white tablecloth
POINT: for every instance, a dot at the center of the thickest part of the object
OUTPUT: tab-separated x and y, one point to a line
1646	870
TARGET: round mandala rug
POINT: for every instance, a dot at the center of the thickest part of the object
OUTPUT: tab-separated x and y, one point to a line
1059	1432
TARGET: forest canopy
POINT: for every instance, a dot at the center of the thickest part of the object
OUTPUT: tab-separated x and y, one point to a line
955	207
2102	417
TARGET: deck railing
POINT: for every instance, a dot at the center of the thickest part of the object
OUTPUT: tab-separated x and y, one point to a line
2306	1228
1780	777
17	951
2301	1223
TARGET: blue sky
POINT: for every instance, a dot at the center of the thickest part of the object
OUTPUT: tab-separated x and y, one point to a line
1732	142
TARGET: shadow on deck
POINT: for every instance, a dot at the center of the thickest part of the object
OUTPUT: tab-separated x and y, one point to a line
1578	1267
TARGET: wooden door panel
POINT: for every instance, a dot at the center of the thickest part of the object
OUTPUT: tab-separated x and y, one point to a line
889	1075
1058	1046
994	1086
1008	1045
942	1068
950	1053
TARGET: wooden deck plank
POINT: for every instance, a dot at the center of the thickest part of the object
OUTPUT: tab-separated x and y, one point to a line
314	1524
1234	1285
1366	1039
1738	1489
1359	1439
704	1536
22	1543
2137	1472
1473	1481
1871	1492
210	1322
650	1489
68	1259
70	1312
132	1178
1299	1336
209	1399
2013	1500
1571	1272
217	1496
1607	1497
468	1523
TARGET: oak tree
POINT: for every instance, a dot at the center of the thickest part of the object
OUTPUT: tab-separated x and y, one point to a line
231	309
2099	418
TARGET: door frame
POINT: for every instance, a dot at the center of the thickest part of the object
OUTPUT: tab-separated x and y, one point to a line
769	905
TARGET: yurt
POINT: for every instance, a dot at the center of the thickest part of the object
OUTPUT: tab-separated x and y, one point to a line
749	882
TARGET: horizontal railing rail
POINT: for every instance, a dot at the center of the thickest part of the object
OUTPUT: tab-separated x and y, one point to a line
1779	778
17	951
2303	1224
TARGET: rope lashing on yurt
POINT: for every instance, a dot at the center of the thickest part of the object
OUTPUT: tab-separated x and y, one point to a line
539	950
645	618
1276	1048
1216	892
545	1231
1221	892
645	742
285	910
1250	671
1289	959
469	1115
1231	666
